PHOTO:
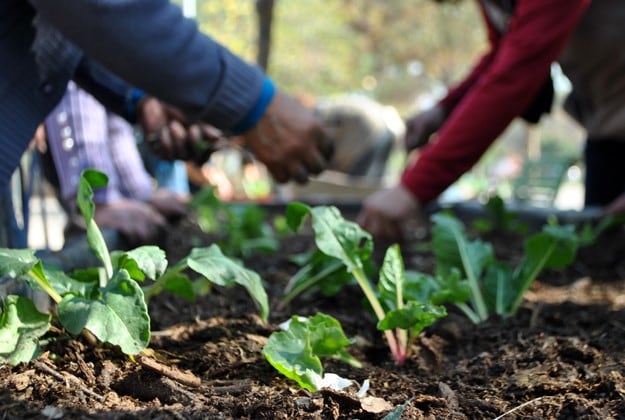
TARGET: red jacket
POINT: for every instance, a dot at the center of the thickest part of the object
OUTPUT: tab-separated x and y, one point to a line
498	89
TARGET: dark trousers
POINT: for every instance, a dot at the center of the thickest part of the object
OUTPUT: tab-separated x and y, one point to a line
605	170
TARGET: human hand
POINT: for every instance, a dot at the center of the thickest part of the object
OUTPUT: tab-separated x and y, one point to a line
168	203
136	220
420	127
40	140
170	135
384	213
617	206
289	140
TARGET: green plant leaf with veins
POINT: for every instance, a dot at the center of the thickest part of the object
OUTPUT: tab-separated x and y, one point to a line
119	316
219	269
21	325
297	351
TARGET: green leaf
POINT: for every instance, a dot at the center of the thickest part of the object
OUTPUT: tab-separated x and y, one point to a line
318	271
291	354
419	287
554	247
21	325
414	316
90	179
180	285
119	316
297	352
63	284
452	289
392	277
341	238
501	288
296	213
151	260
217	268
328	339
16	262
452	250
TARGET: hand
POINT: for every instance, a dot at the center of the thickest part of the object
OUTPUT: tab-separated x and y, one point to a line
137	221
385	213
40	140
169	134
617	206
289	140
168	203
420	128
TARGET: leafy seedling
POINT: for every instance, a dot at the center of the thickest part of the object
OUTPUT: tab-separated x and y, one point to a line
107	300
496	287
297	351
242	228
499	218
400	320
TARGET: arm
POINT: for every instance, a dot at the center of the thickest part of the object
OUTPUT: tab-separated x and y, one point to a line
151	45
536	35
455	94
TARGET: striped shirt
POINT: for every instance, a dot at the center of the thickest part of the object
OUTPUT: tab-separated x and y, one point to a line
82	134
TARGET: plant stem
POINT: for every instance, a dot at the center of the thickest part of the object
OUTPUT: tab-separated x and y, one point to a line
157	287
312	280
46	286
470	313
476	293
529	278
365	285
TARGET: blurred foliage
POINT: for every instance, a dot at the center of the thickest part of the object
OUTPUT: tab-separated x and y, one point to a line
393	50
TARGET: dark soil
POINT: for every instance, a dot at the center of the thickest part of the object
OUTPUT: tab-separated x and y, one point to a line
561	357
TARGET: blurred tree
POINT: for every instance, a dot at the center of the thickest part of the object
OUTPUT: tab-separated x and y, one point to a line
394	50
264	9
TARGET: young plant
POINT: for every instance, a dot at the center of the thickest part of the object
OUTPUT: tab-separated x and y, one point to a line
499	217
242	228
296	352
107	300
496	287
400	320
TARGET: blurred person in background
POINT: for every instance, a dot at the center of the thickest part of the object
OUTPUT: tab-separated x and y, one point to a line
81	134
121	52
512	79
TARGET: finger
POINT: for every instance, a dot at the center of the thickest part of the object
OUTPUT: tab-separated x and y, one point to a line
325	145
278	173
300	175
165	147
316	164
179	137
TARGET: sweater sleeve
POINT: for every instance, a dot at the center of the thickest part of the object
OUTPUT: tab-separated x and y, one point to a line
536	35
151	45
456	93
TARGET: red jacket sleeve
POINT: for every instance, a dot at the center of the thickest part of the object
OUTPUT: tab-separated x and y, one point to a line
511	74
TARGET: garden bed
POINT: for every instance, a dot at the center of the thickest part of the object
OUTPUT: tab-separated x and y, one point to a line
561	356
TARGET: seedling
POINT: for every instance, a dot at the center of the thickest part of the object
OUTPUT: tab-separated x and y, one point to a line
496	287
401	320
499	217
296	352
242	227
107	300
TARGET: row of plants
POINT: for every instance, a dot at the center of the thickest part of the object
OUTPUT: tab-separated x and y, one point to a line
111	301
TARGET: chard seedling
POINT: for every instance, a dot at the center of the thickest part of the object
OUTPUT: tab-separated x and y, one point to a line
108	300
296	352
496	287
399	319
242	228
